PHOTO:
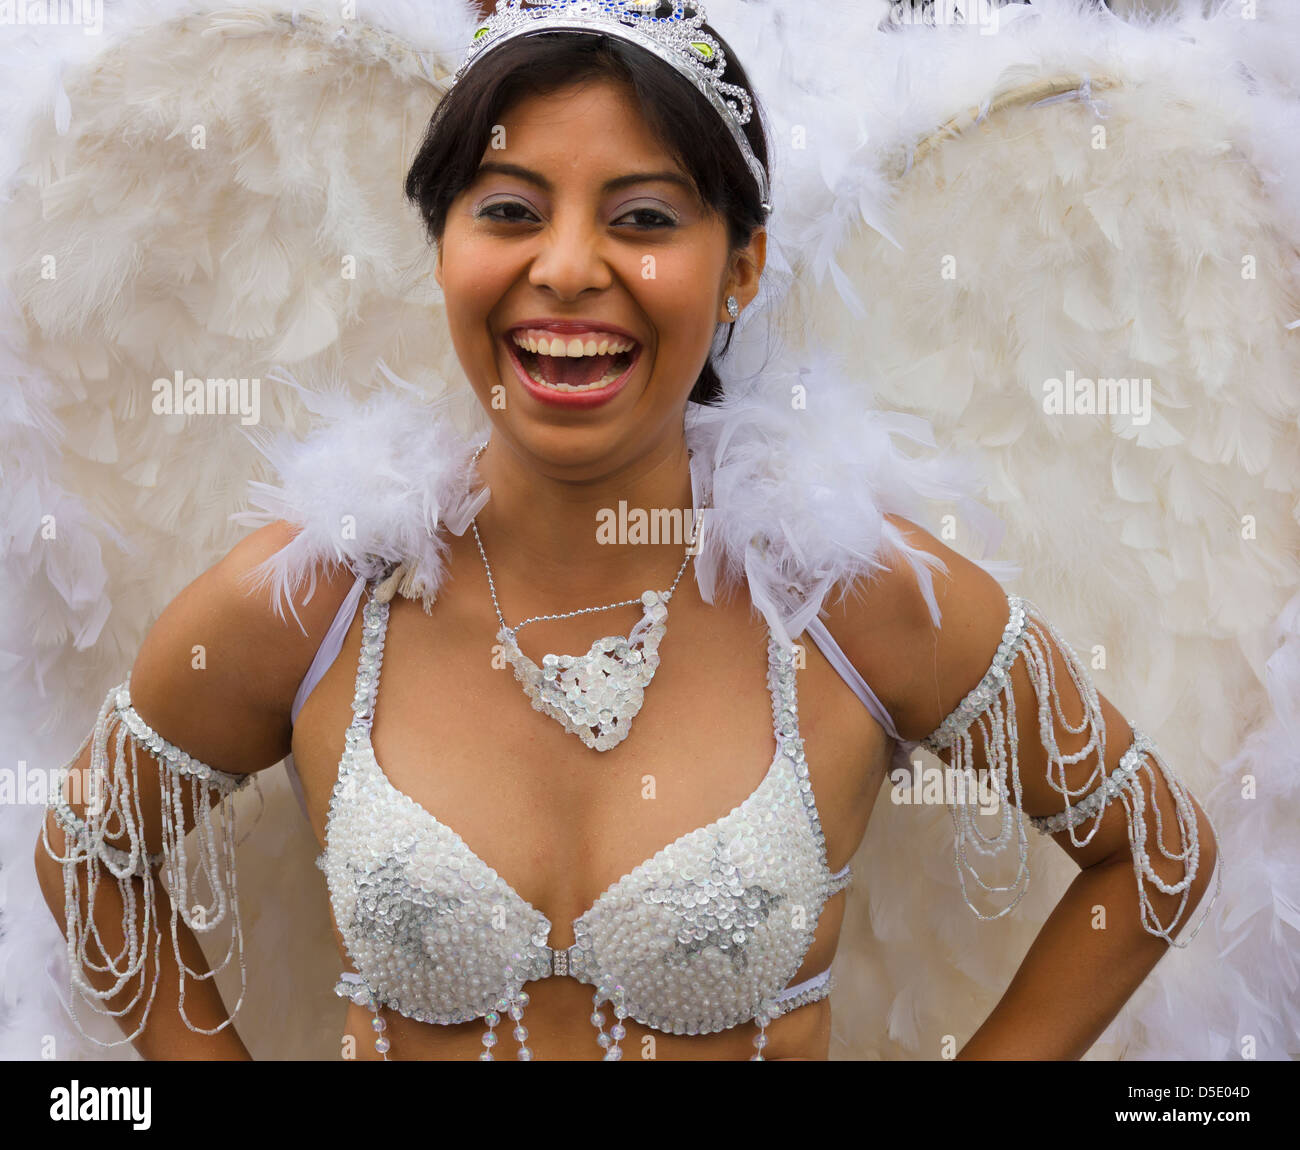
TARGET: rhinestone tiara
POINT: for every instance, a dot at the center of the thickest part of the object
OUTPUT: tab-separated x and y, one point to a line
668	29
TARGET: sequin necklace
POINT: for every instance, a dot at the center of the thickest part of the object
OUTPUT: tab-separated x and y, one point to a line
597	695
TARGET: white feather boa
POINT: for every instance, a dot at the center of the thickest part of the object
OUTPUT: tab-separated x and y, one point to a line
373	483
797	492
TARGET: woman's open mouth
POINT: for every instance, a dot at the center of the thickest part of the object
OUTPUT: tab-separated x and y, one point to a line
590	369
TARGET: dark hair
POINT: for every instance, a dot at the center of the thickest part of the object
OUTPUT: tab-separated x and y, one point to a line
681	119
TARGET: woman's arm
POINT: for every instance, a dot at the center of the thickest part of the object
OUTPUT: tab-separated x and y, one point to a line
215	679
164	1035
1115	921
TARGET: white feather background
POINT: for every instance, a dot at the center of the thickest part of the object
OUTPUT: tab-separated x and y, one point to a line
226	259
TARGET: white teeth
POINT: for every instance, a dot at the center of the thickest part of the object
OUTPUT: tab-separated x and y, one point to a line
558	347
573	348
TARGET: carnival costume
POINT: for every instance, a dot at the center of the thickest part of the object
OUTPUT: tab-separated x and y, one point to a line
693	941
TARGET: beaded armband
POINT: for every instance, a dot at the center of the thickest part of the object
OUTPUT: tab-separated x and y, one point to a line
113	812
990	707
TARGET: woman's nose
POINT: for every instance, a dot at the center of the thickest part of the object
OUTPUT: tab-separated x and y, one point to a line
569	260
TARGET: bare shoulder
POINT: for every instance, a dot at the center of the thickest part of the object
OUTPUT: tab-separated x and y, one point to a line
218	671
919	671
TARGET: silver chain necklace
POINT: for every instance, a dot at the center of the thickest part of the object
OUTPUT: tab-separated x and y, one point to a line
597	695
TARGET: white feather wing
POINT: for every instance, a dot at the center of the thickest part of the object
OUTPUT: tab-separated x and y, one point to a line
1139	228
211	192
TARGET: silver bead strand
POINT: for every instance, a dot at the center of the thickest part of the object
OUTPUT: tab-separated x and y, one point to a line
513	631
379	1026
598	1020
617	1032
518	1001
489	1036
766	1013
609	1043
512	1003
364	996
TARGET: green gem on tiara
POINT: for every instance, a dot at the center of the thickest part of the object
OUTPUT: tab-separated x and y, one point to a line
704	51
482	32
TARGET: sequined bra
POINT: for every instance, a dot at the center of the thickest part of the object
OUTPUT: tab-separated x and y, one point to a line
702	937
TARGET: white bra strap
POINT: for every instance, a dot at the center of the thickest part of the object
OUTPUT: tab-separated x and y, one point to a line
837	659
807	984
810	990
329	649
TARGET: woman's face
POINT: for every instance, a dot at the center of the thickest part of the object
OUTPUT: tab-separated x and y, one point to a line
574	226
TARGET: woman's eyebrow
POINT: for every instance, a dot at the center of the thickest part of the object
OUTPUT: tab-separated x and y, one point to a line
527	174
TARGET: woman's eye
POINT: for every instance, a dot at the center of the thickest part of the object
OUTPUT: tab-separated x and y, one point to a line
664	220
488	212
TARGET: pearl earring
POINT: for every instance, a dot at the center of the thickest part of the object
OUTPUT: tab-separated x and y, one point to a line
733	307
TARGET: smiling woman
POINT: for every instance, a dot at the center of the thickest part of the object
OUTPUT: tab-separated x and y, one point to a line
682	209
617	245
595	185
